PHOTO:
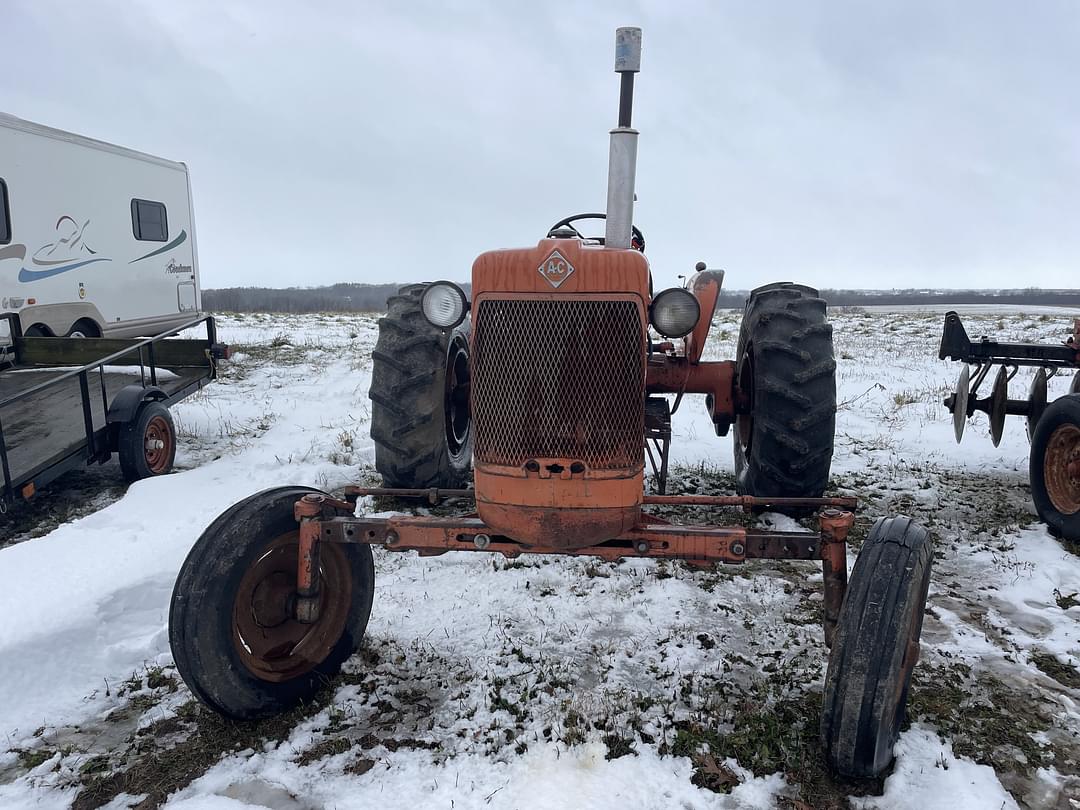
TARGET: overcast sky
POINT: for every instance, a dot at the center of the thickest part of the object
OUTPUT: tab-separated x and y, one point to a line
854	144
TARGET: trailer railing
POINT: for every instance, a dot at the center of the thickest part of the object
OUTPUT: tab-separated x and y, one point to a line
146	354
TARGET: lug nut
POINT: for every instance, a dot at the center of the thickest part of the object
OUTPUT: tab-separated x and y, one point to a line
391	538
482	541
642	547
737	548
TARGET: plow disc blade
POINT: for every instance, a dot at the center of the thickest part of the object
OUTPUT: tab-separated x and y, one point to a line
1036	401
999	401
960	404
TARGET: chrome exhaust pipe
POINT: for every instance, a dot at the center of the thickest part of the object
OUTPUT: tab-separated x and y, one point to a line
622	159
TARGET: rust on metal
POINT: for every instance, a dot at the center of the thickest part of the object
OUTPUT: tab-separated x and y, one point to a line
835	525
437	535
272	644
740	501
307	510
1061	463
677	375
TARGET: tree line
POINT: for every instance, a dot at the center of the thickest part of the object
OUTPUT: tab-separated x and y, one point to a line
372	298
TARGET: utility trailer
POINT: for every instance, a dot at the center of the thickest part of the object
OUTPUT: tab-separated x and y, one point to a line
96	240
71	402
1052	428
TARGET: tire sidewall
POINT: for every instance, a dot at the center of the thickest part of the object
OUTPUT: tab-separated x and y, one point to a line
1062	411
201	615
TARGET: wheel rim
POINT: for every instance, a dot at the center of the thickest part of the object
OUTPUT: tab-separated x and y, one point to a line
158	444
272	645
458	417
1061	469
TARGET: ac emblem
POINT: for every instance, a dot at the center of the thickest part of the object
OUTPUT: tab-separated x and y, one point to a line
556	269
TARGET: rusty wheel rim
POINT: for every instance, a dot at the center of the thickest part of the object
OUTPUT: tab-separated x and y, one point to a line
1061	469
272	645
157	444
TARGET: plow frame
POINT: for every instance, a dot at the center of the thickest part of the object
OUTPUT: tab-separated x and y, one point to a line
324	519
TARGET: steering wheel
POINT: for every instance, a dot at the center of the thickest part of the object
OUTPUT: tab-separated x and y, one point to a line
637	239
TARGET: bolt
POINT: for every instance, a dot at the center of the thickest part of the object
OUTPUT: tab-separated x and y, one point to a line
642	547
737	548
391	537
482	541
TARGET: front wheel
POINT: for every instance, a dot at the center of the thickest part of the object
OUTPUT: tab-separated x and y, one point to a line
1055	467
875	648
232	625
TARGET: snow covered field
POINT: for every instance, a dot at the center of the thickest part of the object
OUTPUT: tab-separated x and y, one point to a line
546	682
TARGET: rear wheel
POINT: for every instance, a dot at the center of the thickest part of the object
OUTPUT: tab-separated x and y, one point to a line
147	444
875	648
420	418
232	627
83	328
1054	467
786	373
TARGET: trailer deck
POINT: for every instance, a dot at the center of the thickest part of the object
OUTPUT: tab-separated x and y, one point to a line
55	398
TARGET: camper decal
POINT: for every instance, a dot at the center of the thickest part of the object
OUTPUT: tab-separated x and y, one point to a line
68	252
174	243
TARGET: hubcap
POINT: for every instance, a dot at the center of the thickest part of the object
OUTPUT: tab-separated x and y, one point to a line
272	645
1061	469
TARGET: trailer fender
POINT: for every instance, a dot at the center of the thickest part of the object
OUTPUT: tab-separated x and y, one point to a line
126	404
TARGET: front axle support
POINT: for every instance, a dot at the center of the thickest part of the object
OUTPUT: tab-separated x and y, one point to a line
325	519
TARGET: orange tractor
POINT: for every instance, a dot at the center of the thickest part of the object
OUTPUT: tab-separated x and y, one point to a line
550	390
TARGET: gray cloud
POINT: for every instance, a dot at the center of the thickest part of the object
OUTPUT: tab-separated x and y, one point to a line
839	143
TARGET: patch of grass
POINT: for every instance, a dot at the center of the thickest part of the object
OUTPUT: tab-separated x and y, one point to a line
1050	666
618	746
986	720
36	757
159	772
1066	601
327	748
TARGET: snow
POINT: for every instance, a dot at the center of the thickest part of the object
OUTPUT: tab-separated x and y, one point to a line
86	605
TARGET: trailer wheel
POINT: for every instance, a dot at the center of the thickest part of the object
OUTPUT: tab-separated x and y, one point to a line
420	418
875	648
147	444
1055	467
83	328
787	374
232	630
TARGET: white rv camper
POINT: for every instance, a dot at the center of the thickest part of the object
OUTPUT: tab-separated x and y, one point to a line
95	240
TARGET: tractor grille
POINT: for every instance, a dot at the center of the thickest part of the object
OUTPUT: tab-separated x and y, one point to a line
560	378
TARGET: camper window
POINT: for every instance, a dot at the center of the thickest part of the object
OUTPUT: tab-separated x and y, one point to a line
5	215
148	221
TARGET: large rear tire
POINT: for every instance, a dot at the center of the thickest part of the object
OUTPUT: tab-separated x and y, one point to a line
420	419
786	369
232	628
1054	467
875	648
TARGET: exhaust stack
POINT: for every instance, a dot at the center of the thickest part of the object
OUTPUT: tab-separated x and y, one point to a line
622	160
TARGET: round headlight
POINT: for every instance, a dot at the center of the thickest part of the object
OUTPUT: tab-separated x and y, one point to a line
674	312
444	304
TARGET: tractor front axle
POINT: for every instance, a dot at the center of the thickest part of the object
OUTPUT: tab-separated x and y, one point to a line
325	519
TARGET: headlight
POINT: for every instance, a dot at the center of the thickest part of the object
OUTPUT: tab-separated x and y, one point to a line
674	312
444	304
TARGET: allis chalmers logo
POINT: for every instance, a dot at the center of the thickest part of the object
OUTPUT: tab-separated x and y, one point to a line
556	269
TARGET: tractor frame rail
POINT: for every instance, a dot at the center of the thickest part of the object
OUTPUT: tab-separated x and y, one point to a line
325	519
